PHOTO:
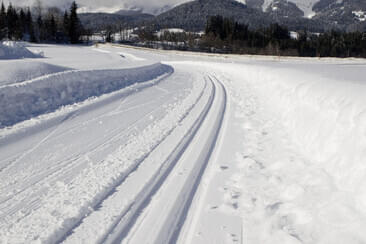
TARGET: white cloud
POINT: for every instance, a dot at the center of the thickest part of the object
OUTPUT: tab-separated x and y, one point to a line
149	6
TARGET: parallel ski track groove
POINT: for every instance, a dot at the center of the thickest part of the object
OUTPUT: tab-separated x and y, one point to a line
121	229
184	212
123	177
169	228
187	236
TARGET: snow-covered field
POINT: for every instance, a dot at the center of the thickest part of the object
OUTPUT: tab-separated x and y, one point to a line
113	144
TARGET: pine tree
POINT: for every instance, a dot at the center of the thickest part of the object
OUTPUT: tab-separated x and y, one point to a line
40	28
30	28
22	22
50	27
74	24
65	22
53	27
3	22
12	21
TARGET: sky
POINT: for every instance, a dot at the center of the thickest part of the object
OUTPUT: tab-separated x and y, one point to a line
148	6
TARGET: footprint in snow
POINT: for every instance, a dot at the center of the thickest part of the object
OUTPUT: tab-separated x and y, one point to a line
223	167
213	207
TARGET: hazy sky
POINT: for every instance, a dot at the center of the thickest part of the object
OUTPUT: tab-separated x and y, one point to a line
150	6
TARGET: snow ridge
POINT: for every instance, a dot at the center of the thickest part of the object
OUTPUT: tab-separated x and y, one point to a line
46	94
16	50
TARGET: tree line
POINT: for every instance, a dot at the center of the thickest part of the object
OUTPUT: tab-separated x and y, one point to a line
38	25
225	35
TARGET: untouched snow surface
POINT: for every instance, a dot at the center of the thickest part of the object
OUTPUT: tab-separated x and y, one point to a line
16	71
203	149
16	50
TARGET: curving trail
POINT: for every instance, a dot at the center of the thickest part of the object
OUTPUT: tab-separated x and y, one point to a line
178	190
131	145
99	171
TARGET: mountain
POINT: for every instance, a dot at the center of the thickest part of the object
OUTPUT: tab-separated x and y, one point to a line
193	15
339	14
349	14
129	12
304	6
101	21
313	15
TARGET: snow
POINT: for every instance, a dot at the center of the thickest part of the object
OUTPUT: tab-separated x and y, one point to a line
152	170
170	30
25	100
360	15
16	50
299	174
305	5
131	56
294	35
15	71
308	183
234	149
96	181
242	1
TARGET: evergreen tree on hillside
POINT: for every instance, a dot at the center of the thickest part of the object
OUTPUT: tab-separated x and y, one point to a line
22	21
40	29
74	25
29	26
3	22
50	27
65	22
11	20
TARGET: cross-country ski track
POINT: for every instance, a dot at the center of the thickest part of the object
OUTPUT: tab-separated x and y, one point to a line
161	147
117	144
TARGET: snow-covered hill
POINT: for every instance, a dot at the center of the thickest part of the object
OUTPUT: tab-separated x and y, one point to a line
305	5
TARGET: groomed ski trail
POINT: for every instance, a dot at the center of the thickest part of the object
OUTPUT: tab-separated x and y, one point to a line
162	219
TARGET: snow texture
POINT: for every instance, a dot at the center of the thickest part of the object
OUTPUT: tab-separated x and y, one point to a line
32	98
300	175
287	164
15	71
16	50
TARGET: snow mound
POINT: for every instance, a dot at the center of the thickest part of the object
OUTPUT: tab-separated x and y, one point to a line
23	101
16	71
16	50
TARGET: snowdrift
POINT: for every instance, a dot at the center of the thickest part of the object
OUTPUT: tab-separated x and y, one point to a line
19	102
16	71
323	197
325	117
16	50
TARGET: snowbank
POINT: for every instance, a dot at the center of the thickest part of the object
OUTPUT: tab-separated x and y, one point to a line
22	101
311	187
325	117
16	71
16	50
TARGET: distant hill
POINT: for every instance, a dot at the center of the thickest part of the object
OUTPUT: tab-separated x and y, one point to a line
350	15
100	21
193	15
124	12
313	15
